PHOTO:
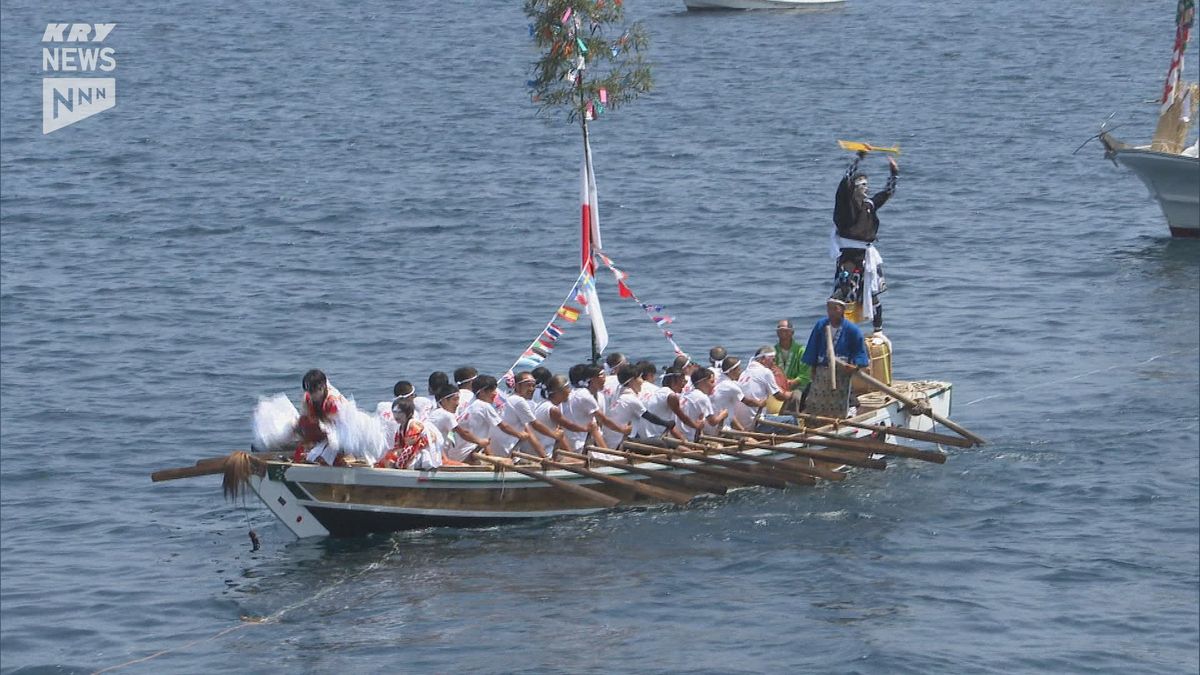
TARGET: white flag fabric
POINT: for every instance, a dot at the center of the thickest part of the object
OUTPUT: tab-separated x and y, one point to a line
593	310
590	237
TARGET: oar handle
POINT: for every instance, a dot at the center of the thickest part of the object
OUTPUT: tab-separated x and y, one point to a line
187	472
923	409
580	490
830	356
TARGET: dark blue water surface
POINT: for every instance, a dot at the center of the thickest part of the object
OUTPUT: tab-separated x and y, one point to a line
365	187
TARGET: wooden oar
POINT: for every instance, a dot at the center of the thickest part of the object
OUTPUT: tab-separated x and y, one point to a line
687	483
814	471
917	407
210	466
830	357
640	487
904	432
566	486
831	439
210	461
804	474
187	472
866	147
715	467
830	456
738	478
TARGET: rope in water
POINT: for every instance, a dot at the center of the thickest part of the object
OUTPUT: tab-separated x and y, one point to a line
1077	377
258	621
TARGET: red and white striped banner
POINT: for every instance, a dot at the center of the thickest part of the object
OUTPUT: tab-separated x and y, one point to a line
1185	16
590	238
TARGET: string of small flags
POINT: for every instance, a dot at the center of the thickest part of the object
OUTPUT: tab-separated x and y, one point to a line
656	313
566	314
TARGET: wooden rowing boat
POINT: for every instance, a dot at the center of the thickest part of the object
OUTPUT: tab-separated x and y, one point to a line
317	500
313	501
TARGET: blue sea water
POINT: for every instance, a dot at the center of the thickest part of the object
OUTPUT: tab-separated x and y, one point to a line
366	188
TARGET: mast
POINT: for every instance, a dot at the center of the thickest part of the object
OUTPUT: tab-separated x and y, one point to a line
578	37
587	263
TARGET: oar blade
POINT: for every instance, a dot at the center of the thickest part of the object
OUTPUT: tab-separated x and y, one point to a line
856	146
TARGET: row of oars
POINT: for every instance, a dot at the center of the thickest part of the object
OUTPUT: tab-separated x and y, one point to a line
714	464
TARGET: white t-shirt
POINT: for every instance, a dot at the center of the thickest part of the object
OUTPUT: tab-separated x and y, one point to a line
388	423
610	389
580	407
626	409
698	406
422	405
645	428
517	413
726	396
541	413
430	456
465	397
480	418
758	382
444	421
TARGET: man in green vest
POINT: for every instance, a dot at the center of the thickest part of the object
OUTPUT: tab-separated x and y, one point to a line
787	357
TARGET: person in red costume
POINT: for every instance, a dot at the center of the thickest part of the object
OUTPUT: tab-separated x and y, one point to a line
412	439
320	405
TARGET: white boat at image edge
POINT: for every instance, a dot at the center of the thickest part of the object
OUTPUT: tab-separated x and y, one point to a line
759	4
1172	178
1169	165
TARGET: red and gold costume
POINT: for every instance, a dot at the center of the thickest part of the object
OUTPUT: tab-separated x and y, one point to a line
309	425
407	444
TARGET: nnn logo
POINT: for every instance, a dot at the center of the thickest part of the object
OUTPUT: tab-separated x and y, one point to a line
66	100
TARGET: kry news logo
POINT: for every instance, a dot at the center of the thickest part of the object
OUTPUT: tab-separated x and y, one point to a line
66	100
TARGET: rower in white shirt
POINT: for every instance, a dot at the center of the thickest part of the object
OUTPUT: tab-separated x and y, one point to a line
421	405
541	376
698	412
613	362
443	417
666	404
759	383
628	409
584	406
520	413
649	375
729	395
464	379
554	424
715	356
478	422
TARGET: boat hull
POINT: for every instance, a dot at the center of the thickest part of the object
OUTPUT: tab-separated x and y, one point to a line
758	4
1173	180
314	501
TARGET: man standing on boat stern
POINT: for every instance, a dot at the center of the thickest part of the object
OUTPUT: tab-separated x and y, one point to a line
859	273
823	397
